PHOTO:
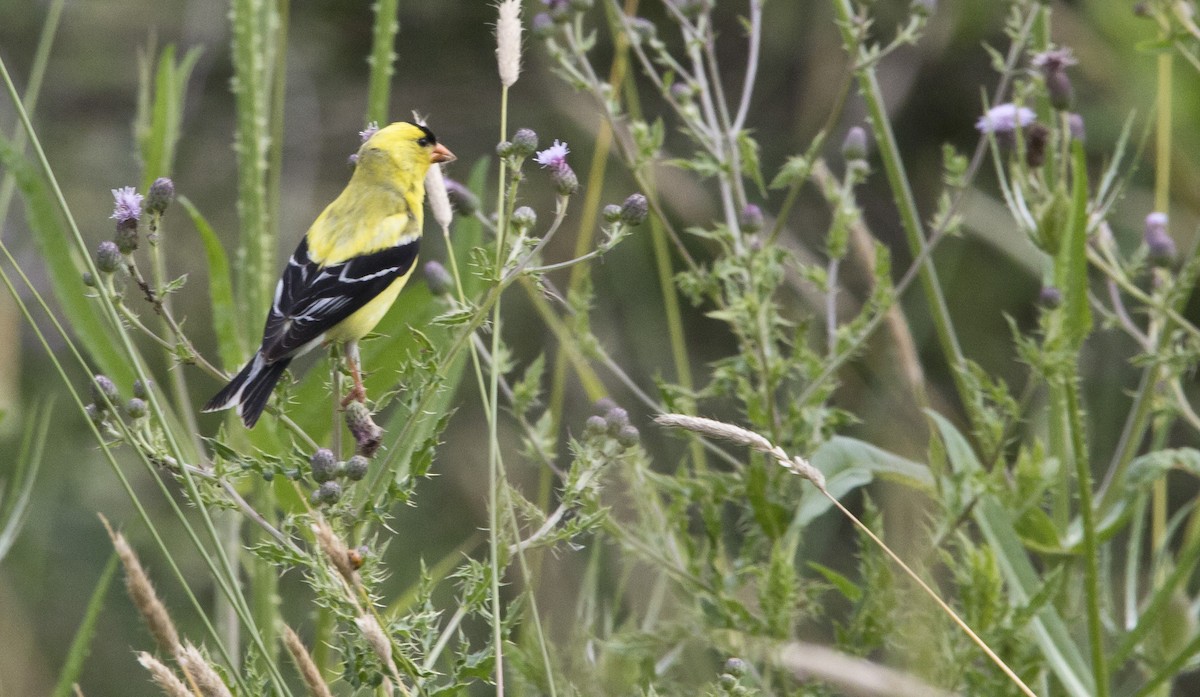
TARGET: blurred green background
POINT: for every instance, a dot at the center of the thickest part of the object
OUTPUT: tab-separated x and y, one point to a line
446	70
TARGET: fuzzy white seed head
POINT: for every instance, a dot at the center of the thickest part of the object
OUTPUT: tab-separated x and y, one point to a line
508	41
439	199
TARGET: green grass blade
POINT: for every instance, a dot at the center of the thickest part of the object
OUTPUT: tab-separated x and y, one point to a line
63	268
1071	269
29	461
230	345
158	129
80	645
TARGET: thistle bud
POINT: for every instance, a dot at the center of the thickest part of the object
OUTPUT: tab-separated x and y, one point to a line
1050	297
356	468
108	257
465	202
329	492
751	218
141	390
595	425
736	666
634	210
1159	244
136	408
126	238
643	30
611	213
542	26
438	279
524	142
88	279
628	436
324	465
1053	65
161	193
104	392
504	148
616	419
854	146
565	181
367	435
1037	137
524	218
1075	126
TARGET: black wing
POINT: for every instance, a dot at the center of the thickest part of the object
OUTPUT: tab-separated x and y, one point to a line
310	299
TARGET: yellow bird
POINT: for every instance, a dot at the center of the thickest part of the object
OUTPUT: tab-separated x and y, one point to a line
348	269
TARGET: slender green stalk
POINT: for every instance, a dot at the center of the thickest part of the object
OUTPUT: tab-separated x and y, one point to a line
910	220
382	60
494	474
1091	545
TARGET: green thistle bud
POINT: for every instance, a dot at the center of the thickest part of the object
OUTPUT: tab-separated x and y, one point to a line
161	193
367	435
136	408
94	413
735	666
565	181
634	210
524	142
854	147
504	148
628	436
542	26
108	257
141	390
356	468
328	492
104	392
524	218
465	202
438	279
595	425
88	279
611	213
751	218
127	237
616	419
324	465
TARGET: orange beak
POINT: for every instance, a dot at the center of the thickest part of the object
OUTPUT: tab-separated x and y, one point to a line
441	154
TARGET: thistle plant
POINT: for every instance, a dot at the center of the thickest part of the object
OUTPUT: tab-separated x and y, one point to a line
661	506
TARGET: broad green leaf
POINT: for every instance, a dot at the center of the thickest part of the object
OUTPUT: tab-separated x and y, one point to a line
64	267
230	344
848	464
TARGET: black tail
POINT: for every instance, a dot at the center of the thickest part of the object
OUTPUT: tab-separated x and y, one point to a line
250	389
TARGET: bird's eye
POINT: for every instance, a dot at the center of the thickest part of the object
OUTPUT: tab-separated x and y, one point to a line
423	142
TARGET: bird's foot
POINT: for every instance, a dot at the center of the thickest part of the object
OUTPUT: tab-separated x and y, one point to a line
358	393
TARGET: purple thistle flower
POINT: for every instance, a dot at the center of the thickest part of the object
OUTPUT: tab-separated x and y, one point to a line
554	156
371	129
1004	118
1053	61
127	205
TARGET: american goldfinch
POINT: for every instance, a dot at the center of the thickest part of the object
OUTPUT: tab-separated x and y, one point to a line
349	267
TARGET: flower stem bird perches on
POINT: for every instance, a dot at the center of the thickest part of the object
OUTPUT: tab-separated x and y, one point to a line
348	269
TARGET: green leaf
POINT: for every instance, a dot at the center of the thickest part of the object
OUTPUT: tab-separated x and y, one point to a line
64	267
157	126
23	475
220	291
843	584
80	645
796	169
1022	581
1070	268
751	167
